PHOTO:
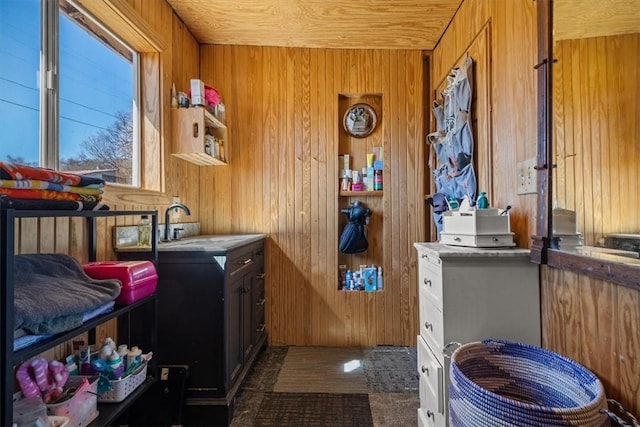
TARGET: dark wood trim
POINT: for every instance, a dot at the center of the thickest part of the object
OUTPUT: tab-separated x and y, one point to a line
617	272
540	242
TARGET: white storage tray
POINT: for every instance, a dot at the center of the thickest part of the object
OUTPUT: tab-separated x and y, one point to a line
476	222
478	241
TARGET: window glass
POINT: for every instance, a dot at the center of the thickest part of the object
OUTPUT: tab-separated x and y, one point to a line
19	81
96	104
97	100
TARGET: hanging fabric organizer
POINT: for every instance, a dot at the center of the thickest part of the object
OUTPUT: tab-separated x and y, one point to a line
454	175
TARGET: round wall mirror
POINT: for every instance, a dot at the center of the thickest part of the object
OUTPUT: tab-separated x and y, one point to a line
360	120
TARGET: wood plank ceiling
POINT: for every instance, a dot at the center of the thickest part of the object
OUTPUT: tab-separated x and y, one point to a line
365	24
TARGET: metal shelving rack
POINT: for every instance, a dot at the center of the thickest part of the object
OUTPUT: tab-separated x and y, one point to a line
108	411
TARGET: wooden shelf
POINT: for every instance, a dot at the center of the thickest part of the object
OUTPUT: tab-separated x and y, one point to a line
189	129
376	193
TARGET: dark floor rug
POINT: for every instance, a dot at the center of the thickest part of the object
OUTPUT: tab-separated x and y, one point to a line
314	410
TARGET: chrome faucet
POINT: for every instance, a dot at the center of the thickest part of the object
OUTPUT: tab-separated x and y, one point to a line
167	221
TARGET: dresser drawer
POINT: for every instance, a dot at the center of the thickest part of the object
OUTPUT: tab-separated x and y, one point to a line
431	324
431	379
482	240
430	277
428	418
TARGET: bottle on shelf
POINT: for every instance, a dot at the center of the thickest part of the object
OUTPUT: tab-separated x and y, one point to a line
377	180
379	284
483	201
144	231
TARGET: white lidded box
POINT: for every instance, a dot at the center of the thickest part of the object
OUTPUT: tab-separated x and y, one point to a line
197	93
476	221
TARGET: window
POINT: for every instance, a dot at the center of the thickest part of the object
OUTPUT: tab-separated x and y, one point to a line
84	121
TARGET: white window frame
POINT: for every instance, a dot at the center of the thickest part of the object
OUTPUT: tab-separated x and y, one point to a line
50	89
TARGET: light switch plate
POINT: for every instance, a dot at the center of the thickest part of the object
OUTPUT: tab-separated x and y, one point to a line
527	176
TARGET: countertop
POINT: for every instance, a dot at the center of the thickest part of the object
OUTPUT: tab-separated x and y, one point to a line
444	251
210	243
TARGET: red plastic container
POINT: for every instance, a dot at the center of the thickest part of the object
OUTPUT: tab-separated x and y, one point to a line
139	278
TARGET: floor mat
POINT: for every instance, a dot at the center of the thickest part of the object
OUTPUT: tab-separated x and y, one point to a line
322	370
314	410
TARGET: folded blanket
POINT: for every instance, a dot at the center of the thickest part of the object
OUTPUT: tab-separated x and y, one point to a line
20	193
21	341
14	171
50	205
34	184
52	292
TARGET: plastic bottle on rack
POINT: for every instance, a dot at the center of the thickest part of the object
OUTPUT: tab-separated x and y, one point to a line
144	231
379	285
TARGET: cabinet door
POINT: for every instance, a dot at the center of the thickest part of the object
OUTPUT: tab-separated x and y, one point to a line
234	329
258	298
247	315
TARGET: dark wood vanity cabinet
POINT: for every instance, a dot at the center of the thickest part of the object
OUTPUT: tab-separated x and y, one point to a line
211	318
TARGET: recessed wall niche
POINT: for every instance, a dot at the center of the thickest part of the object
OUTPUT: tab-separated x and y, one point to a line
357	142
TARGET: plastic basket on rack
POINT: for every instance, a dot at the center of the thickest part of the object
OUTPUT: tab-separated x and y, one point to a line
82	408
502	383
120	389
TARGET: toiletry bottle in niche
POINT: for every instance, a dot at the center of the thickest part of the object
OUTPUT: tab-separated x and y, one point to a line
377	180
144	231
379	285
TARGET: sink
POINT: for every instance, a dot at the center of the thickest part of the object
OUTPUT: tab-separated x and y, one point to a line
213	242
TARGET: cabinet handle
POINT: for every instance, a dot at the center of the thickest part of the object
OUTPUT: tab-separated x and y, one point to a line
428	325
261	302
457	239
245	290
260	276
427	282
261	328
196	131
244	262
425	370
495	239
430	414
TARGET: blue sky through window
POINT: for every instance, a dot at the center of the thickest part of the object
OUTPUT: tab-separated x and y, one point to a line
95	82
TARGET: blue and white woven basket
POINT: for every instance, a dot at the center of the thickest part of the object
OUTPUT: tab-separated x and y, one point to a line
503	383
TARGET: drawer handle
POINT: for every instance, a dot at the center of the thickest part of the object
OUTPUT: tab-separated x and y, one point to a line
261	328
245	290
428	325
246	261
260	276
261	302
425	370
430	414
495	239
427	282
457	239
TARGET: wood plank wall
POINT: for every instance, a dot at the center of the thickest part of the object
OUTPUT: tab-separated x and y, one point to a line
595	323
282	109
506	115
596	92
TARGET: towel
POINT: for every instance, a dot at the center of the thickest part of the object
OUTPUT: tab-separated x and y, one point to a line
20	193
50	205
52	292
34	184
17	172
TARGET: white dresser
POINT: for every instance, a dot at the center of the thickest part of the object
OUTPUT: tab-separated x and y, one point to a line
466	295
